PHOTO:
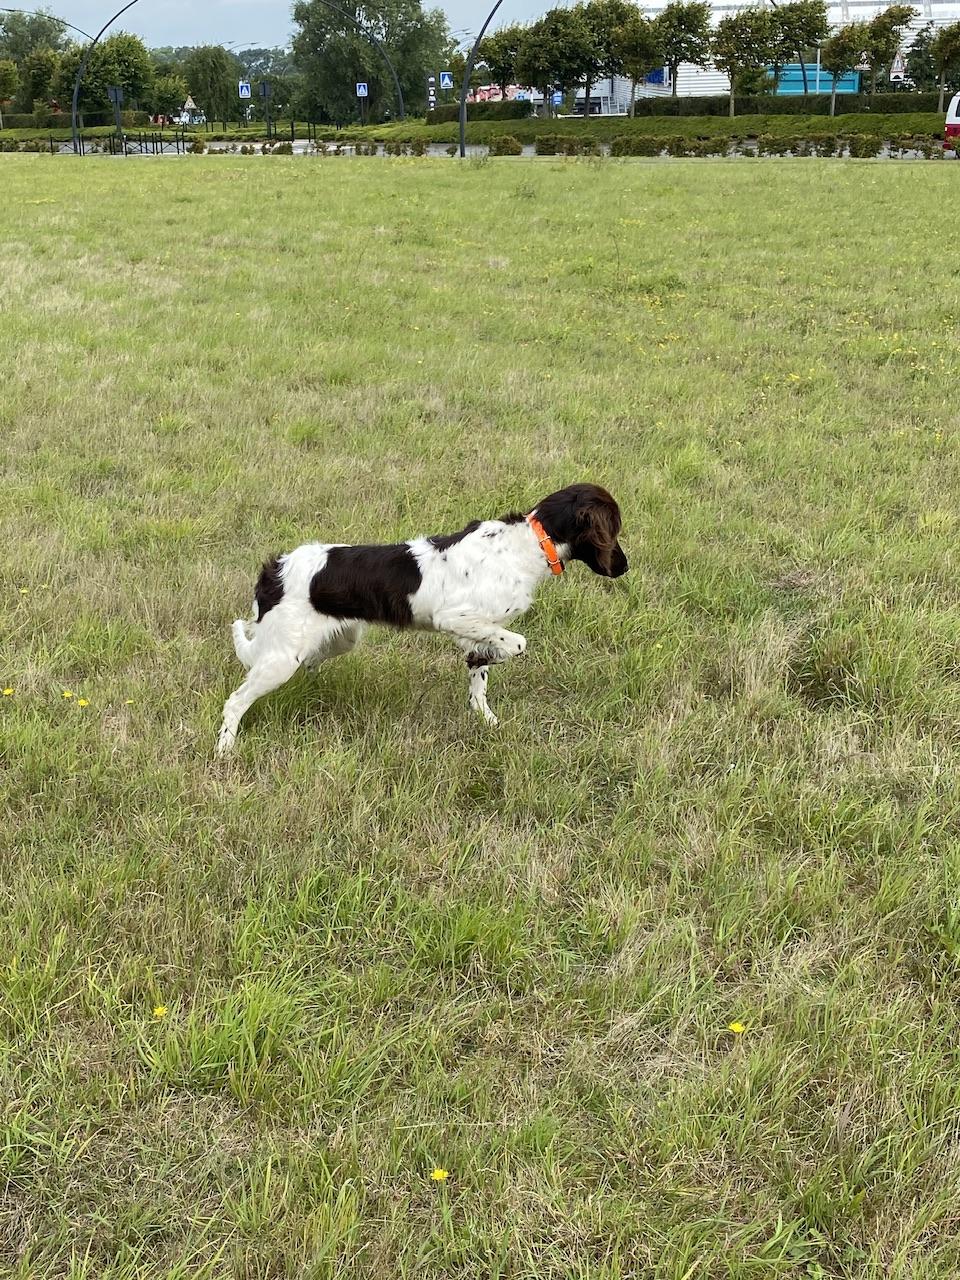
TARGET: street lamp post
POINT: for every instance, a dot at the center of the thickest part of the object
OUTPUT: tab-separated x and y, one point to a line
74	108
467	73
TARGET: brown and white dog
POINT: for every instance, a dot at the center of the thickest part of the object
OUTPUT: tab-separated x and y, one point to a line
313	603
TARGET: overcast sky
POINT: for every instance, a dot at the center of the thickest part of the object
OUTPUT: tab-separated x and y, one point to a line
256	22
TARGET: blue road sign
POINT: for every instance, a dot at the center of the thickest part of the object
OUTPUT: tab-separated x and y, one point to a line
362	89
446	79
243	87
558	99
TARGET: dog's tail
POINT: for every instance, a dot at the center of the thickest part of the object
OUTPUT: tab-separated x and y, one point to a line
244	646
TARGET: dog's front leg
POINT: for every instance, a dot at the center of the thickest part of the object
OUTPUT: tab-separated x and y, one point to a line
484	644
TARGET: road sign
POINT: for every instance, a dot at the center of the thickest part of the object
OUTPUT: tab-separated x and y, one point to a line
362	89
243	87
266	89
558	99
446	79
898	68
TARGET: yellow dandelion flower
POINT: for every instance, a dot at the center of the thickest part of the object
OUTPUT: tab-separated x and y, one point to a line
160	1011
68	693
83	702
738	1028
128	702
440	1175
24	591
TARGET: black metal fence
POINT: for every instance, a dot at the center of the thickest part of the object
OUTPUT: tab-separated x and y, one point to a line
155	142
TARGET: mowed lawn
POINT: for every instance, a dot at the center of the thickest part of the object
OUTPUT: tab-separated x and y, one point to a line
247	1008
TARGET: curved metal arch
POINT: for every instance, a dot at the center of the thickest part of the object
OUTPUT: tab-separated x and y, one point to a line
82	68
365	31
467	72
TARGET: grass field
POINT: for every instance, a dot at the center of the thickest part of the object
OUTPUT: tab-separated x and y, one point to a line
247	1008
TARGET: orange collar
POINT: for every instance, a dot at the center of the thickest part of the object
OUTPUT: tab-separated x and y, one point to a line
546	545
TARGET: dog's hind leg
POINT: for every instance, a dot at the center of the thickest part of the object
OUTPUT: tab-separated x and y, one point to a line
266	674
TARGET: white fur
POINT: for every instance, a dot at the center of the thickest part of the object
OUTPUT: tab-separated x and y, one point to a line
468	591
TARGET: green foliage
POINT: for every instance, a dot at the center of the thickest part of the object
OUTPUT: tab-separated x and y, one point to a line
945	56
636	48
505	144
211	73
480	111
842	52
119	59
170	92
920	67
799	26
9	79
744	42
332	55
683	33
555	51
883	36
499	54
38	77
22	33
603	19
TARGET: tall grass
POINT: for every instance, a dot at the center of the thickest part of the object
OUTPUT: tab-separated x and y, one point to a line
247	1008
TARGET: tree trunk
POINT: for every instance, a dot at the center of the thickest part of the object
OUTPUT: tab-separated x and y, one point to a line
503	91
731	98
943	88
586	99
803	70
873	81
673	79
546	102
833	97
633	98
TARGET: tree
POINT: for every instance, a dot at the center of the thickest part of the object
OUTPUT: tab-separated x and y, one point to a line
744	43
38	77
884	34
945	51
920	69
602	18
554	53
332	55
9	79
841	53
21	33
169	94
637	49
211	74
683	31
122	59
802	25
499	53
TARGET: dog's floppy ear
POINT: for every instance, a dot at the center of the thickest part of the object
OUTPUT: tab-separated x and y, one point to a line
600	523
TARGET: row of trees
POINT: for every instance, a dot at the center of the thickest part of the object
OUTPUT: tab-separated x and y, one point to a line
315	80
934	57
570	48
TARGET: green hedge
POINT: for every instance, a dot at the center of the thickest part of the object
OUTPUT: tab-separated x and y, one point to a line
61	120
506	145
802	104
448	111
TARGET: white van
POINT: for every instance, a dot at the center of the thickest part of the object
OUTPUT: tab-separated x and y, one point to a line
951	130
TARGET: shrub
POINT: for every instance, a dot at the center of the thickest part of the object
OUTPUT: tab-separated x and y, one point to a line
418	147
545	144
864	146
810	104
197	147
636	144
505	144
449	111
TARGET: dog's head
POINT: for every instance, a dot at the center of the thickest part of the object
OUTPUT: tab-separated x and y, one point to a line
587	519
